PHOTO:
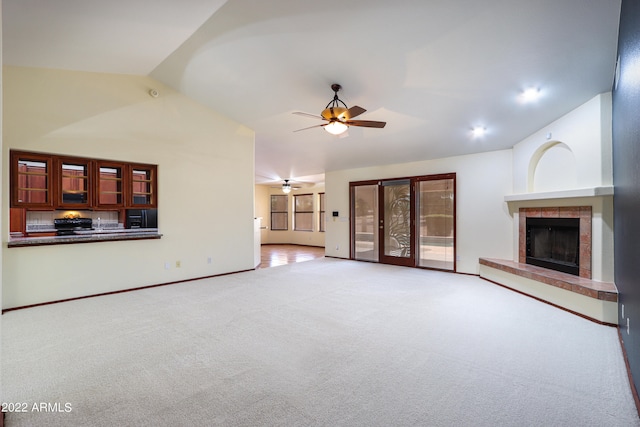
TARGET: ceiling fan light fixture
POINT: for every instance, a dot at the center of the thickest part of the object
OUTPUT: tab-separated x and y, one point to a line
339	116
286	187
336	128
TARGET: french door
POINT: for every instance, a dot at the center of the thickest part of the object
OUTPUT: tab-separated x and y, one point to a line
409	221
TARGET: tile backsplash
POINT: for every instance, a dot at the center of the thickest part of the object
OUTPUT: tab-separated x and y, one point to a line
43	220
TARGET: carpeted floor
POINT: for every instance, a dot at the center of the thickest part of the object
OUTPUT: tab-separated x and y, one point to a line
326	342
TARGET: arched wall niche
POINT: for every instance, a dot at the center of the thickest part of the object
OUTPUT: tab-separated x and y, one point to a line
552	167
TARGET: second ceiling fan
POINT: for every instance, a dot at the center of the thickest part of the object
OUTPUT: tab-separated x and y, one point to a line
338	117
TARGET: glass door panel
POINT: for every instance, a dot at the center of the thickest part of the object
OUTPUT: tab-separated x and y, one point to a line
396	223
365	214
142	186
110	188
436	242
74	184
33	182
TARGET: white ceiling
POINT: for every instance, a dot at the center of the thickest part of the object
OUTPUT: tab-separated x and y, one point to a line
432	69
115	36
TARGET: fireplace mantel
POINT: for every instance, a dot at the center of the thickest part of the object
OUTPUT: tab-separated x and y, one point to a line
564	194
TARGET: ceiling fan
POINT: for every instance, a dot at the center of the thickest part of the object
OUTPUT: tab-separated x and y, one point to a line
287	187
340	118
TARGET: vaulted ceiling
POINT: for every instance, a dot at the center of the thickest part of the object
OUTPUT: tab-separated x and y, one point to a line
432	69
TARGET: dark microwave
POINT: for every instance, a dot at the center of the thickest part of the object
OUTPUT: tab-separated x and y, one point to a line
141	218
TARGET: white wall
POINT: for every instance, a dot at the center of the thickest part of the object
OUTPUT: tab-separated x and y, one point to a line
198	153
586	132
263	209
483	221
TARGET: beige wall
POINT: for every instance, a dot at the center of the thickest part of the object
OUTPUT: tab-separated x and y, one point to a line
483	220
263	205
2	214
198	154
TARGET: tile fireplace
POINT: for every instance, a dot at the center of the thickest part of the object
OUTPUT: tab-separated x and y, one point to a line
569	227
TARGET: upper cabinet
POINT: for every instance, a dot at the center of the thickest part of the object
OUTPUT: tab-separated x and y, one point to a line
47	181
110	184
31	180
74	182
143	186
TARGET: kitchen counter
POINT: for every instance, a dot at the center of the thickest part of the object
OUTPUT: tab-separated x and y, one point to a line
87	236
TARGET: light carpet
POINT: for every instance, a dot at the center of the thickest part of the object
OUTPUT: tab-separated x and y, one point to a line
321	343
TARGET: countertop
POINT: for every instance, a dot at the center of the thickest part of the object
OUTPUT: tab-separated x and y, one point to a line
87	237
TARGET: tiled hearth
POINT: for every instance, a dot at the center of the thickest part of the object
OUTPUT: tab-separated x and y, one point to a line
588	298
594	300
604	291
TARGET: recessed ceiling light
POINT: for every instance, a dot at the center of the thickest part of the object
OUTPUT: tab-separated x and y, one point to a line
529	95
478	131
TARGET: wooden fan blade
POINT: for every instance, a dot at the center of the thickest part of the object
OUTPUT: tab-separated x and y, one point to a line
311	127
353	112
366	123
313	116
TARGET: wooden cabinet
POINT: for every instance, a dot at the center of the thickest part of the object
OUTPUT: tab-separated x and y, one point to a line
48	181
31	180
17	220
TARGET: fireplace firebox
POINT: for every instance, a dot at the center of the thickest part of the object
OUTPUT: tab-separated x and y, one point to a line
554	243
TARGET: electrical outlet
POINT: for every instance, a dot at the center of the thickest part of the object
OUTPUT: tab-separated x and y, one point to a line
337	247
167	265
209	260
627	326
178	264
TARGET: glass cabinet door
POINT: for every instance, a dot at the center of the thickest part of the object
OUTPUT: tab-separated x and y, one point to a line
31	183
74	183
110	185
143	186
